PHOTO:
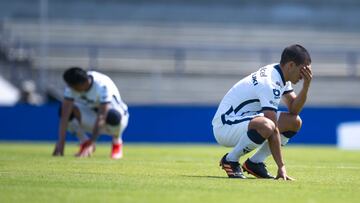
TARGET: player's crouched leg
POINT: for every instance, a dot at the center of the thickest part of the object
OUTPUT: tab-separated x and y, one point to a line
289	125
113	122
266	128
258	130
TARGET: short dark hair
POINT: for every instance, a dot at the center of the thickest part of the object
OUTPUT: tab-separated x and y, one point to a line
75	75
296	53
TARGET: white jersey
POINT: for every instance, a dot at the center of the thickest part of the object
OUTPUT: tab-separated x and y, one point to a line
261	90
102	90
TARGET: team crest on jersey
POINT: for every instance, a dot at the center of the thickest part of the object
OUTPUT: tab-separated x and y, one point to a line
276	93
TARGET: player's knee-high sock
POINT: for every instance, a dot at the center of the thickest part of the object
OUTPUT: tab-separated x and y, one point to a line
264	150
245	145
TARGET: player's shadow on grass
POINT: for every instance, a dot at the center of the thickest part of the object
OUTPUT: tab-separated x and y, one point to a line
215	177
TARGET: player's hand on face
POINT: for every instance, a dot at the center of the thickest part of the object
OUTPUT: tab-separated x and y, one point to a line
306	74
282	175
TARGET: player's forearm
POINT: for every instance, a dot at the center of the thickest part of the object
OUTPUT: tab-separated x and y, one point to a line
66	108
299	102
63	126
95	132
275	148
274	140
98	125
62	133
100	121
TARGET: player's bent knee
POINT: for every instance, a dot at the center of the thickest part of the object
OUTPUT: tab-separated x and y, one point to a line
268	128
113	117
264	126
298	123
295	123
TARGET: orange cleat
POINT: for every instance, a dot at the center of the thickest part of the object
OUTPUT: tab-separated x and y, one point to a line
116	152
86	149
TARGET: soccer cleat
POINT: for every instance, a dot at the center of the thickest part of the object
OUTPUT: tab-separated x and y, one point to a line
86	149
116	152
256	169
232	169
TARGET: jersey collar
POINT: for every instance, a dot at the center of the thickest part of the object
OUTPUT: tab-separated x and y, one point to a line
277	67
91	83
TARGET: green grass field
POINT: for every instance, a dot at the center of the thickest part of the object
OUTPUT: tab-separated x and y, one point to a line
171	173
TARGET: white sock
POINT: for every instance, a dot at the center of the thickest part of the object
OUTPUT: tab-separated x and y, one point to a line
264	151
244	146
117	140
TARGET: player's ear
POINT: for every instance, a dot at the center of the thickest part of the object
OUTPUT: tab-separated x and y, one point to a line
289	65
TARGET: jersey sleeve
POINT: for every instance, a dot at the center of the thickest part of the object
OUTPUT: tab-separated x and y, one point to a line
288	88
68	94
105	96
269	95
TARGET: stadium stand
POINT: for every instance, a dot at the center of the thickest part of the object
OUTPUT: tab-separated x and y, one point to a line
176	60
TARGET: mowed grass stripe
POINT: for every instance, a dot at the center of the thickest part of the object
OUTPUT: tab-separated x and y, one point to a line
171	173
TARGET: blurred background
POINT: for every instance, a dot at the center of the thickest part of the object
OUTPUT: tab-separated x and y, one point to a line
174	60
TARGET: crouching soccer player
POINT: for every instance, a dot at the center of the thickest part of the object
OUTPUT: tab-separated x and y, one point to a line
247	117
92	104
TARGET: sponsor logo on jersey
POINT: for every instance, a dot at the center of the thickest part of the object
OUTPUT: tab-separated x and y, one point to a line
88	101
276	93
274	103
254	79
262	72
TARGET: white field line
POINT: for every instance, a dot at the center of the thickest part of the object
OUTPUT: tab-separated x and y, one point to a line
323	167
